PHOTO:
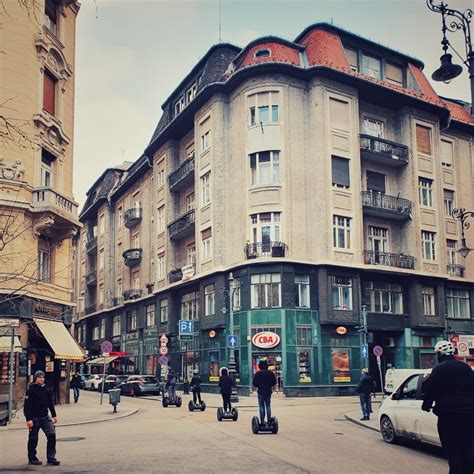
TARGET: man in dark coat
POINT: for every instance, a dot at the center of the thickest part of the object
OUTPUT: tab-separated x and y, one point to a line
365	389
196	386
38	401
225	384
450	387
76	385
264	380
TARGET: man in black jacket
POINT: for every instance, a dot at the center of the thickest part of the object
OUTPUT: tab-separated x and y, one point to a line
196	386
450	387
264	380
37	402
364	389
225	384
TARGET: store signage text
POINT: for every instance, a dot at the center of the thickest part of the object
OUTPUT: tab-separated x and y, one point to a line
46	308
341	330
266	340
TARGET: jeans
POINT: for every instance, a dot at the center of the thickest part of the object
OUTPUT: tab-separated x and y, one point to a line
49	430
172	392
76	393
226	401
456	433
264	404
197	394
365	404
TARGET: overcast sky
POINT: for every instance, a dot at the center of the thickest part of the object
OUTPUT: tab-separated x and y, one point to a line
131	54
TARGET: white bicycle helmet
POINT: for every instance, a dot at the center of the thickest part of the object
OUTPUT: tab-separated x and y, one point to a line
195	371
444	348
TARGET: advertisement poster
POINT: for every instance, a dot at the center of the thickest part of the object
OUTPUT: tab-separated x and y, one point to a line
340	365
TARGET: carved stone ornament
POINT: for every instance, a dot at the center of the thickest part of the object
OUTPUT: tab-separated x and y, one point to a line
13	171
43	225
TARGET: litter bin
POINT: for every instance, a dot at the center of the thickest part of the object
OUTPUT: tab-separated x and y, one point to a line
114	398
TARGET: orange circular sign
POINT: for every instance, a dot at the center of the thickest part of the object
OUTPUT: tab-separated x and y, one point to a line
212	333
341	330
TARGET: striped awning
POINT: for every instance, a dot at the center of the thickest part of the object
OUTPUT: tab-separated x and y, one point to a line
100	360
5	344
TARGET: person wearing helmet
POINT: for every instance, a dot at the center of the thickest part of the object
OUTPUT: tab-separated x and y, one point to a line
264	380
196	386
450	386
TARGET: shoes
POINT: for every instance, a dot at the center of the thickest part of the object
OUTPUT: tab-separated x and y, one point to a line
35	462
365	418
54	462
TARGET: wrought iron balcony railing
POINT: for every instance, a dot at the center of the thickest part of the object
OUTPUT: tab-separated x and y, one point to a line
182	176
132	257
382	205
117	301
175	275
265	249
131	294
383	151
91	245
455	270
90	309
132	217
91	277
399	260
182	226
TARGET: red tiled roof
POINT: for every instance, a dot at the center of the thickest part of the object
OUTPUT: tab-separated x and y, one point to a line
279	53
459	113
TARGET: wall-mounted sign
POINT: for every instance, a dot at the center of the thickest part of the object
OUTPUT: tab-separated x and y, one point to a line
187	271
341	330
47	309
266	339
212	333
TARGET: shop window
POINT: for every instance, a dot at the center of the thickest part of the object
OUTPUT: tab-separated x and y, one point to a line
265	167
304	335
342	293
302	291
150	315
209	300
427	361
304	365
164	311
340	172
341	368
266	290
457	304
214	366
263	108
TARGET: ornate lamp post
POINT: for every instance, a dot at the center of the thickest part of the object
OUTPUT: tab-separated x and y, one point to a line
462	215
453	20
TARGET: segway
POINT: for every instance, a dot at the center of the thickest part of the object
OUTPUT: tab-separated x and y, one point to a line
196	406
167	400
271	427
233	414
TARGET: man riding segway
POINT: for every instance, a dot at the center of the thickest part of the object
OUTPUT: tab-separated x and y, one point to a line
264	380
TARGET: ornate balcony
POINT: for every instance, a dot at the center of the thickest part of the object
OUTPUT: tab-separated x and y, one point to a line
267	249
399	260
91	245
132	217
91	277
131	294
455	270
384	152
182	176
132	257
381	205
90	309
183	226
175	275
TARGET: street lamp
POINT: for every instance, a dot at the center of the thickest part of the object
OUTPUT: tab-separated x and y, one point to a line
462	215
453	20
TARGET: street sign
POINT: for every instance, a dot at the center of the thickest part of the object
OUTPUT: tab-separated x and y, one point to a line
163	360
106	346
185	330
163	338
364	350
377	351
163	350
105	354
232	341
463	349
379	361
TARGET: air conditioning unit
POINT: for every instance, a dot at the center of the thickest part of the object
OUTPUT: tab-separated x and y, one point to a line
389	341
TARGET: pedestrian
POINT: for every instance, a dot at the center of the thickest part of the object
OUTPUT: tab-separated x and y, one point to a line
450	386
76	385
38	401
365	389
264	380
225	384
196	386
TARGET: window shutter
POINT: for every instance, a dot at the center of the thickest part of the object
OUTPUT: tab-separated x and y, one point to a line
339	114
394	74
423	139
205	234
340	171
49	91
446	153
375	181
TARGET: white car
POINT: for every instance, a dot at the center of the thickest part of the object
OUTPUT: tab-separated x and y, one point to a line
400	414
93	382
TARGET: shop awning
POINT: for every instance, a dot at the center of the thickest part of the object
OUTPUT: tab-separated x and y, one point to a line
100	360
5	344
60	340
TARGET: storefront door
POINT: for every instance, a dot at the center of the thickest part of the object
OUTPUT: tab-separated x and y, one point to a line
274	364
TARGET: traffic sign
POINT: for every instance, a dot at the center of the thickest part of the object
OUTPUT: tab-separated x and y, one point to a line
377	351
163	360
232	341
364	350
463	349
106	346
185	330
163	350
163	338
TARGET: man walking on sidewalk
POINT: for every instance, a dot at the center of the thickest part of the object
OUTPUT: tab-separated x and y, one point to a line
76	385
364	389
37	402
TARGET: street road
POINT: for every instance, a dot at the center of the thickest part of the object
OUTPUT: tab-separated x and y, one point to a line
313	437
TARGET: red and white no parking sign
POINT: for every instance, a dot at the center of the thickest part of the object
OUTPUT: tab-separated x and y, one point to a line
463	349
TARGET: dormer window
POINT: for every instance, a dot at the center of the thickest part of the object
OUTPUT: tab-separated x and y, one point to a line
371	66
51	16
262	53
179	106
394	74
191	93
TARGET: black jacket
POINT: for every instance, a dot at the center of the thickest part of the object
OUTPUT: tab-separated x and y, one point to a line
264	380
366	385
225	383
196	381
451	387
37	401
76	381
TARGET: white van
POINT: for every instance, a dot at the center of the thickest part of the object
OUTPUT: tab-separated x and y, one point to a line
394	378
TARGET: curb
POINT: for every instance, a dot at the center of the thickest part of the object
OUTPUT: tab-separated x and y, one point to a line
99	420
357	422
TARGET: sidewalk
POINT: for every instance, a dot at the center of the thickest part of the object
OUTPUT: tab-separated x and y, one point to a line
86	410
372	424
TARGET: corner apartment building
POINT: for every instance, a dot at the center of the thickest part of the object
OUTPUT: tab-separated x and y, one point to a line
38	214
322	174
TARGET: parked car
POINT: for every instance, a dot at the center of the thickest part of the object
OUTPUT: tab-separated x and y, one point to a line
112	381
93	382
394	377
137	385
82	383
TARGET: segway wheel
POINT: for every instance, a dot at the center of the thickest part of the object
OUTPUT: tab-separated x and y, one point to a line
235	414
203	406
274	425
165	402
255	425
191	405
179	402
219	413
